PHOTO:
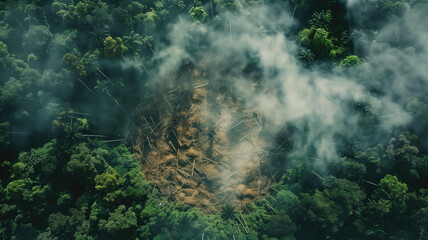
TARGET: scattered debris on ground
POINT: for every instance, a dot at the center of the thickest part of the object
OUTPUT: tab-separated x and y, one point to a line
200	145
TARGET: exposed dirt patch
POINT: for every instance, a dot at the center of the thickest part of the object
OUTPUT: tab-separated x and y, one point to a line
200	145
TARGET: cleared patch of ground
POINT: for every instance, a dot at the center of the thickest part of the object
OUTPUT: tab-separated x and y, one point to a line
200	145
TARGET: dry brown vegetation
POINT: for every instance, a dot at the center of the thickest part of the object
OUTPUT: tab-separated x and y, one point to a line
200	145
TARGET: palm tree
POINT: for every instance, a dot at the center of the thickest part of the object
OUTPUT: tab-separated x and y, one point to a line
102	86
321	19
306	56
227	212
261	31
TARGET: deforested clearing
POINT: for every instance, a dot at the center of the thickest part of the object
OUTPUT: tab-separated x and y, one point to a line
201	145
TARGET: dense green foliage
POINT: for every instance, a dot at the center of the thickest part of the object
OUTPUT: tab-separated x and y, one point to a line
59	182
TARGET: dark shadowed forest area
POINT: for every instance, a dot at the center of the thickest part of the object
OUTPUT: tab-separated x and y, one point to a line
214	119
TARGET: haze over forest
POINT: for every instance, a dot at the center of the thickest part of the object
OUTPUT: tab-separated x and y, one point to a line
214	119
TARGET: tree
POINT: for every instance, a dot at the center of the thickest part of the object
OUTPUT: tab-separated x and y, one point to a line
102	86
41	163
82	8
349	196
322	45
351	61
98	35
306	56
122	160
227	212
64	12
29	78
403	154
91	60
387	209
62	43
56	82
230	5
74	64
149	19
4	55
281	226
136	186
285	200
135	43
32	59
197	13
304	37
69	226
317	40
69	132
29	195
320	213
354	170
109	184
113	47
85	163
401	147
37	39
64	199
299	179
11	92
392	190
121	222
321	19
260	31
4	134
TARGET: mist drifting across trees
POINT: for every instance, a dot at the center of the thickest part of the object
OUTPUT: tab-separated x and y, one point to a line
340	88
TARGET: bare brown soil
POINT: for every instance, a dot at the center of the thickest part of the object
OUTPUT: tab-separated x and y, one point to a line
200	145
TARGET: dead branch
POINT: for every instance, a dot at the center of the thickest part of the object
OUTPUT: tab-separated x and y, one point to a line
104	76
87	88
271	207
193	168
316	174
115	140
374	184
93	135
243	219
243	227
229	176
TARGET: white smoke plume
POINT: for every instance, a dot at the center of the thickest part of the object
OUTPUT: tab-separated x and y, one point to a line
254	55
